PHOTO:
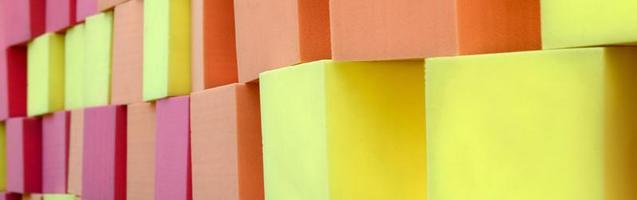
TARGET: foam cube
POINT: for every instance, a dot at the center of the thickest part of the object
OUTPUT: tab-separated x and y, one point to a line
166	48
58	197
13	82
97	67
344	130
279	33
55	137
214	57
45	74
25	19
172	154
24	155
140	148
404	29
226	143
126	86
76	141
108	4
3	157
60	14
32	196
74	66
587	23
10	196
104	155
538	125
85	8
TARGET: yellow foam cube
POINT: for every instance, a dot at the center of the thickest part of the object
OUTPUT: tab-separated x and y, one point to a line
45	74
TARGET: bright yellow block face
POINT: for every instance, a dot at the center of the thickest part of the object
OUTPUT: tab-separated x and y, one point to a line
580	23
58	197
3	157
532	125
74	67
344	130
97	70
45	74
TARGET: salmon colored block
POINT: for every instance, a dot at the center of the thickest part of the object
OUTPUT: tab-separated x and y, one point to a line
103	5
404	29
214	58
76	141
55	137
24	155
128	28
85	8
279	33
13	82
25	19
140	148
226	121
60	14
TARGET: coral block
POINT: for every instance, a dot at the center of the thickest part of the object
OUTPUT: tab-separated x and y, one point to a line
214	57
108	4
45	71
538	125
97	67
226	143
279	33
85	8
74	66
76	139
60	14
3	157
166	48
25	19
104	155
403	29
140	149
344	130
13	82
172	164
126	84
55	145
24	155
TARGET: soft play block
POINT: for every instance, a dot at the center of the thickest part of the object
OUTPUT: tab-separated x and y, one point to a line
55	137
344	130
108	4
24	155
279	33
45	74
32	196
583	23
404	29
226	121
25	19
97	67
140	158
10	196
74	64
76	139
85	8
58	197
538	125
13	82
172	164
3	157
104	155
214	57
126	84
60	14
166	48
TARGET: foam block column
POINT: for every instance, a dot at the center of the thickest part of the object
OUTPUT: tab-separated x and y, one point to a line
226	121
214	57
60	14
45	71
140	149
403	29
24	155
104	155
3	157
108	4
74	66
344	130
173	174
279	33
538	125
76	141
97	67
85	8
55	137
128	27
24	18
13	82
166	48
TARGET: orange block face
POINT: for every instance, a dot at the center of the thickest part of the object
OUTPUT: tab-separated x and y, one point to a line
108	4
405	29
126	84
279	33
76	138
140	160
226	143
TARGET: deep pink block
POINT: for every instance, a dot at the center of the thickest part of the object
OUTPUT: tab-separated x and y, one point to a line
10	196
104	159
85	8
173	171
55	147
60	14
24	155
13	82
24	19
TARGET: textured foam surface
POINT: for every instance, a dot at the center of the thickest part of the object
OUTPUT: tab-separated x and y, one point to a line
74	64
126	83
45	74
60	14
24	155
97	68
172	149
140	148
55	137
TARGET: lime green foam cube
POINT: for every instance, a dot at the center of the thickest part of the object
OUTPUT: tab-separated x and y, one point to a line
344	130
58	197
45	74
166	48
584	23
74	67
557	124
97	69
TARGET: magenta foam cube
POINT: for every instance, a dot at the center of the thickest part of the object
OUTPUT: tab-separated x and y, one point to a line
13	82
85	8
60	14
24	155
24	19
55	145
173	179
